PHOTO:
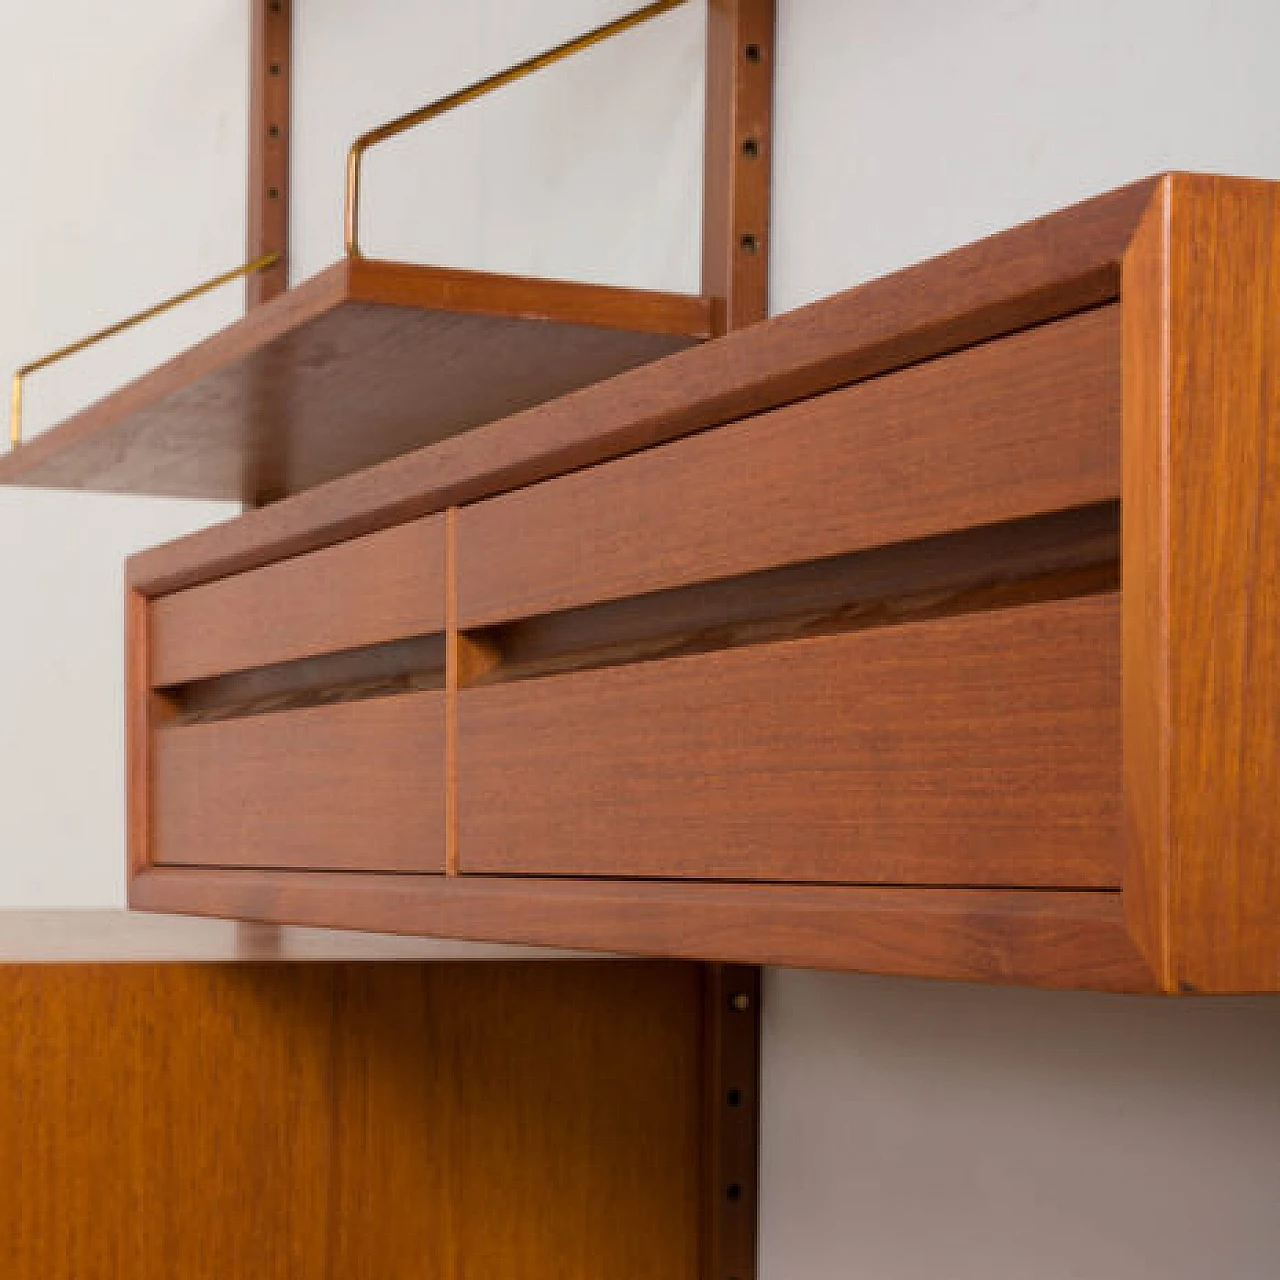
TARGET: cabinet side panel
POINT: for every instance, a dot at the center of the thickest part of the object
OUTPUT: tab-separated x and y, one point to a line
1211	871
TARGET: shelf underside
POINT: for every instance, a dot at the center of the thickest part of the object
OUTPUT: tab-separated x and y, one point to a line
362	363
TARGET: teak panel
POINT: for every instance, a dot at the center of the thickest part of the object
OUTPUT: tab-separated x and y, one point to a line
1050	268
1202	576
1050	938
383	587
363	362
976	750
1024	425
369	1122
355	785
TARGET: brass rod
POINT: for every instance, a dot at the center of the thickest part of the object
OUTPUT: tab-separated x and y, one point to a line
101	335
478	90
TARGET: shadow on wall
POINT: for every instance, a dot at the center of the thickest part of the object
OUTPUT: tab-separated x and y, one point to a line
915	1130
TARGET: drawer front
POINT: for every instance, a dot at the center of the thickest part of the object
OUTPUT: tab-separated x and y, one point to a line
973	750
384	587
354	786
1024	425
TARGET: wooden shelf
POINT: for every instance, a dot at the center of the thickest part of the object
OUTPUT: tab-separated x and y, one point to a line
363	362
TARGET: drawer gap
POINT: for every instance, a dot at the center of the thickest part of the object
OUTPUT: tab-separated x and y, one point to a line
1051	557
355	675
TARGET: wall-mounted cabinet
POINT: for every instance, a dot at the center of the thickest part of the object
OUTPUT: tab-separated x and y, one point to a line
930	629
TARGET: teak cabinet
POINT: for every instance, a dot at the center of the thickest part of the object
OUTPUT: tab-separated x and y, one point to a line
931	629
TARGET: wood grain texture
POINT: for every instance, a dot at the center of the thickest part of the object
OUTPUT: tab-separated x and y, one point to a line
737	160
270	131
1013	428
978	750
364	362
1053	938
517	1093
1202	583
1068	553
403	666
1042	271
374	1122
356	785
372	590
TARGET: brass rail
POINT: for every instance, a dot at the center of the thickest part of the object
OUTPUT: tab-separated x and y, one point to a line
74	348
432	110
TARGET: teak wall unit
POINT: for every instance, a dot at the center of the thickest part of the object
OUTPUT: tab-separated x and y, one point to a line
930	629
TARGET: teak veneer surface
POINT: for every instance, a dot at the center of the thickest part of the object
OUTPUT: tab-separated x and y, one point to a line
364	1121
1055	938
363	362
384	587
978	750
1202	552
356	785
879	462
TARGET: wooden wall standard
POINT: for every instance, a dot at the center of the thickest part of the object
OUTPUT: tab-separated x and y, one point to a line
270	83
737	159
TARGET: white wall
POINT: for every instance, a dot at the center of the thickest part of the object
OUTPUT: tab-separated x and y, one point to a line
907	127
920	1130
123	131
909	1130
